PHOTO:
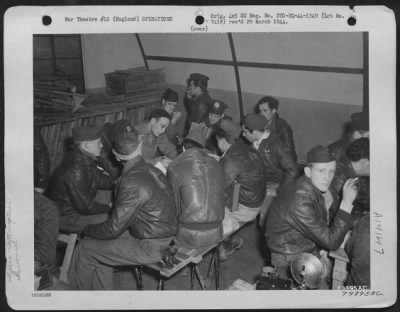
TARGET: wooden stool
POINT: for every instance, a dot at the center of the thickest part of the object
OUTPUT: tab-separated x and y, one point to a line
70	240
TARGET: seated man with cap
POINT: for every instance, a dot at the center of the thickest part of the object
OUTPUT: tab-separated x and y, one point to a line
216	115
197	101
299	218
355	165
140	228
357	128
198	185
268	107
155	141
279	163
107	160
75	182
242	164
169	101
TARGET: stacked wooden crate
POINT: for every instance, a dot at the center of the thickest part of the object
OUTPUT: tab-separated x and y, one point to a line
141	87
134	101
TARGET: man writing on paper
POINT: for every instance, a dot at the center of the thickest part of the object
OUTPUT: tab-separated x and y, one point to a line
155	141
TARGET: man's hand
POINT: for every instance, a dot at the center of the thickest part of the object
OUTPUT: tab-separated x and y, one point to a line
350	190
168	258
165	161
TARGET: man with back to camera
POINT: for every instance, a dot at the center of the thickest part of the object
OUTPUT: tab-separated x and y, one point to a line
197	182
242	164
268	107
75	182
279	164
155	141
357	128
197	101
138	231
299	220
355	164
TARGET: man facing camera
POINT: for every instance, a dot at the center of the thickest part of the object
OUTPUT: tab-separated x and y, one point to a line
268	107
155	141
169	101
138	231
299	220
215	117
197	101
75	182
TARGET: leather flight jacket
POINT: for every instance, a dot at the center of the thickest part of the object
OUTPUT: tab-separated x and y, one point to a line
198	185
298	221
243	164
144	205
74	184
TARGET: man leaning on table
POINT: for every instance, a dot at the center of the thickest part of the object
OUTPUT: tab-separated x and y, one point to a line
140	227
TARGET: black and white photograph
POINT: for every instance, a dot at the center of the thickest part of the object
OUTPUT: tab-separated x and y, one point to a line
227	163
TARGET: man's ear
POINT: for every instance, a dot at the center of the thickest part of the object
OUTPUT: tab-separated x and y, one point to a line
163	102
274	110
83	145
307	171
364	162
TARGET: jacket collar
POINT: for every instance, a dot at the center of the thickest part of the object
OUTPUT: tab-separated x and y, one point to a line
310	187
135	162
273	122
83	155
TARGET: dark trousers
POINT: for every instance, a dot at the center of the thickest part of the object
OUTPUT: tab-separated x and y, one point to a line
76	223
45	231
93	260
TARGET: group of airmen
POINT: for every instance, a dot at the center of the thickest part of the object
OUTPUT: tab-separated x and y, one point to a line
172	182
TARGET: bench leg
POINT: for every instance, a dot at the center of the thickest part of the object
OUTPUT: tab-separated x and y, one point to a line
216	269
199	277
214	263
192	275
161	283
137	272
211	263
